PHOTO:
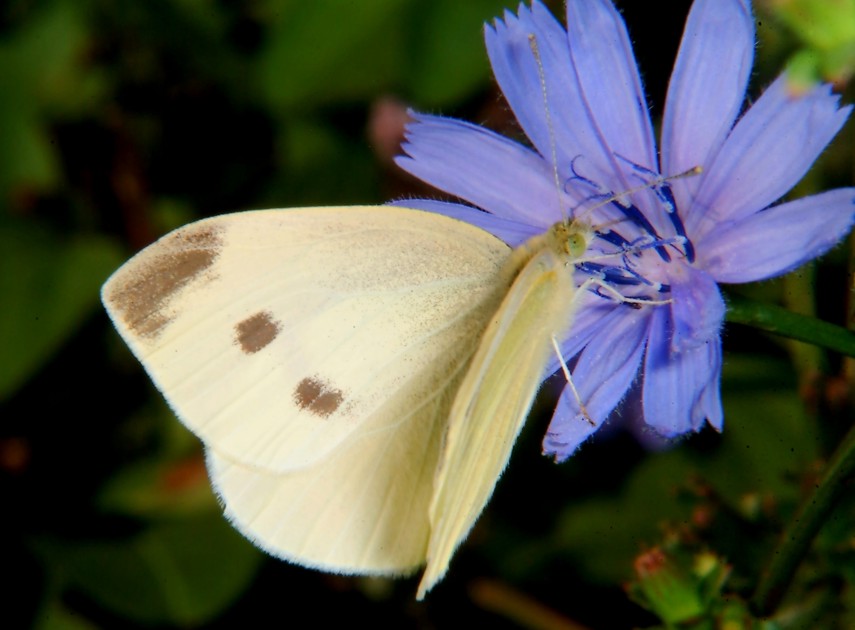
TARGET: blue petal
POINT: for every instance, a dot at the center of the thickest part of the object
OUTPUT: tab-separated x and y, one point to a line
603	374
513	233
516	70
697	310
707	88
609	81
770	149
674	382
779	239
547	100
592	315
483	168
709	406
567	429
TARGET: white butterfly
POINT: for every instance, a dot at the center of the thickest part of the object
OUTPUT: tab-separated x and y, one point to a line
358	375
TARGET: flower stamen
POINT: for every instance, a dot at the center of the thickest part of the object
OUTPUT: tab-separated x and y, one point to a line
662	189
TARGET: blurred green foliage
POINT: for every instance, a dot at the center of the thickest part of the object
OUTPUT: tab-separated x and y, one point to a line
122	120
826	32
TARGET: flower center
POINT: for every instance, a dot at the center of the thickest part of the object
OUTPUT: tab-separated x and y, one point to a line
634	257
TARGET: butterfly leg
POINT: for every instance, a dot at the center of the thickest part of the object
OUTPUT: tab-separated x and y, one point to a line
620	297
569	378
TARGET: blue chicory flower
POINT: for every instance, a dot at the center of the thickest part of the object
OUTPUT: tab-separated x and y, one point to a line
580	100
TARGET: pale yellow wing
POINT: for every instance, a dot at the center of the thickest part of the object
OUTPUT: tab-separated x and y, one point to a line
275	335
363	509
494	400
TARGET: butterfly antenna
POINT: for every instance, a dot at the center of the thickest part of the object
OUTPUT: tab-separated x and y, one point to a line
553	149
658	181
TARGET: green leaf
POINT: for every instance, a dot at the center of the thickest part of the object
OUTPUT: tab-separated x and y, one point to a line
602	534
42	74
322	52
827	30
309	151
326	52
49	285
448	57
155	489
55	616
183	572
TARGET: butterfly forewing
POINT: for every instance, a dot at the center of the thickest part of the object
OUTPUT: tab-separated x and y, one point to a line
493	401
276	335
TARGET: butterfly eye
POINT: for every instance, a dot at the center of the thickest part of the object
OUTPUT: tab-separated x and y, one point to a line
576	244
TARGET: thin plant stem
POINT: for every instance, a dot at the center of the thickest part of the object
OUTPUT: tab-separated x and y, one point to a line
797	538
780	321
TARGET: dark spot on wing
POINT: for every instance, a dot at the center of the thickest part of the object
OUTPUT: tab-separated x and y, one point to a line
318	397
141	293
255	332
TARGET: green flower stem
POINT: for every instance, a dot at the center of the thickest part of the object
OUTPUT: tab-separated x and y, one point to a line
809	519
780	321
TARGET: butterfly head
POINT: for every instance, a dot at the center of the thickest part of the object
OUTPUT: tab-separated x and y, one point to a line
571	239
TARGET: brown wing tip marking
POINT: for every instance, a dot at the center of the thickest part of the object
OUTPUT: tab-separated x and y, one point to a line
256	332
317	396
142	295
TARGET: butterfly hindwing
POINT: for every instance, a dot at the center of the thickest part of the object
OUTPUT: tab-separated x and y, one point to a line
362	510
